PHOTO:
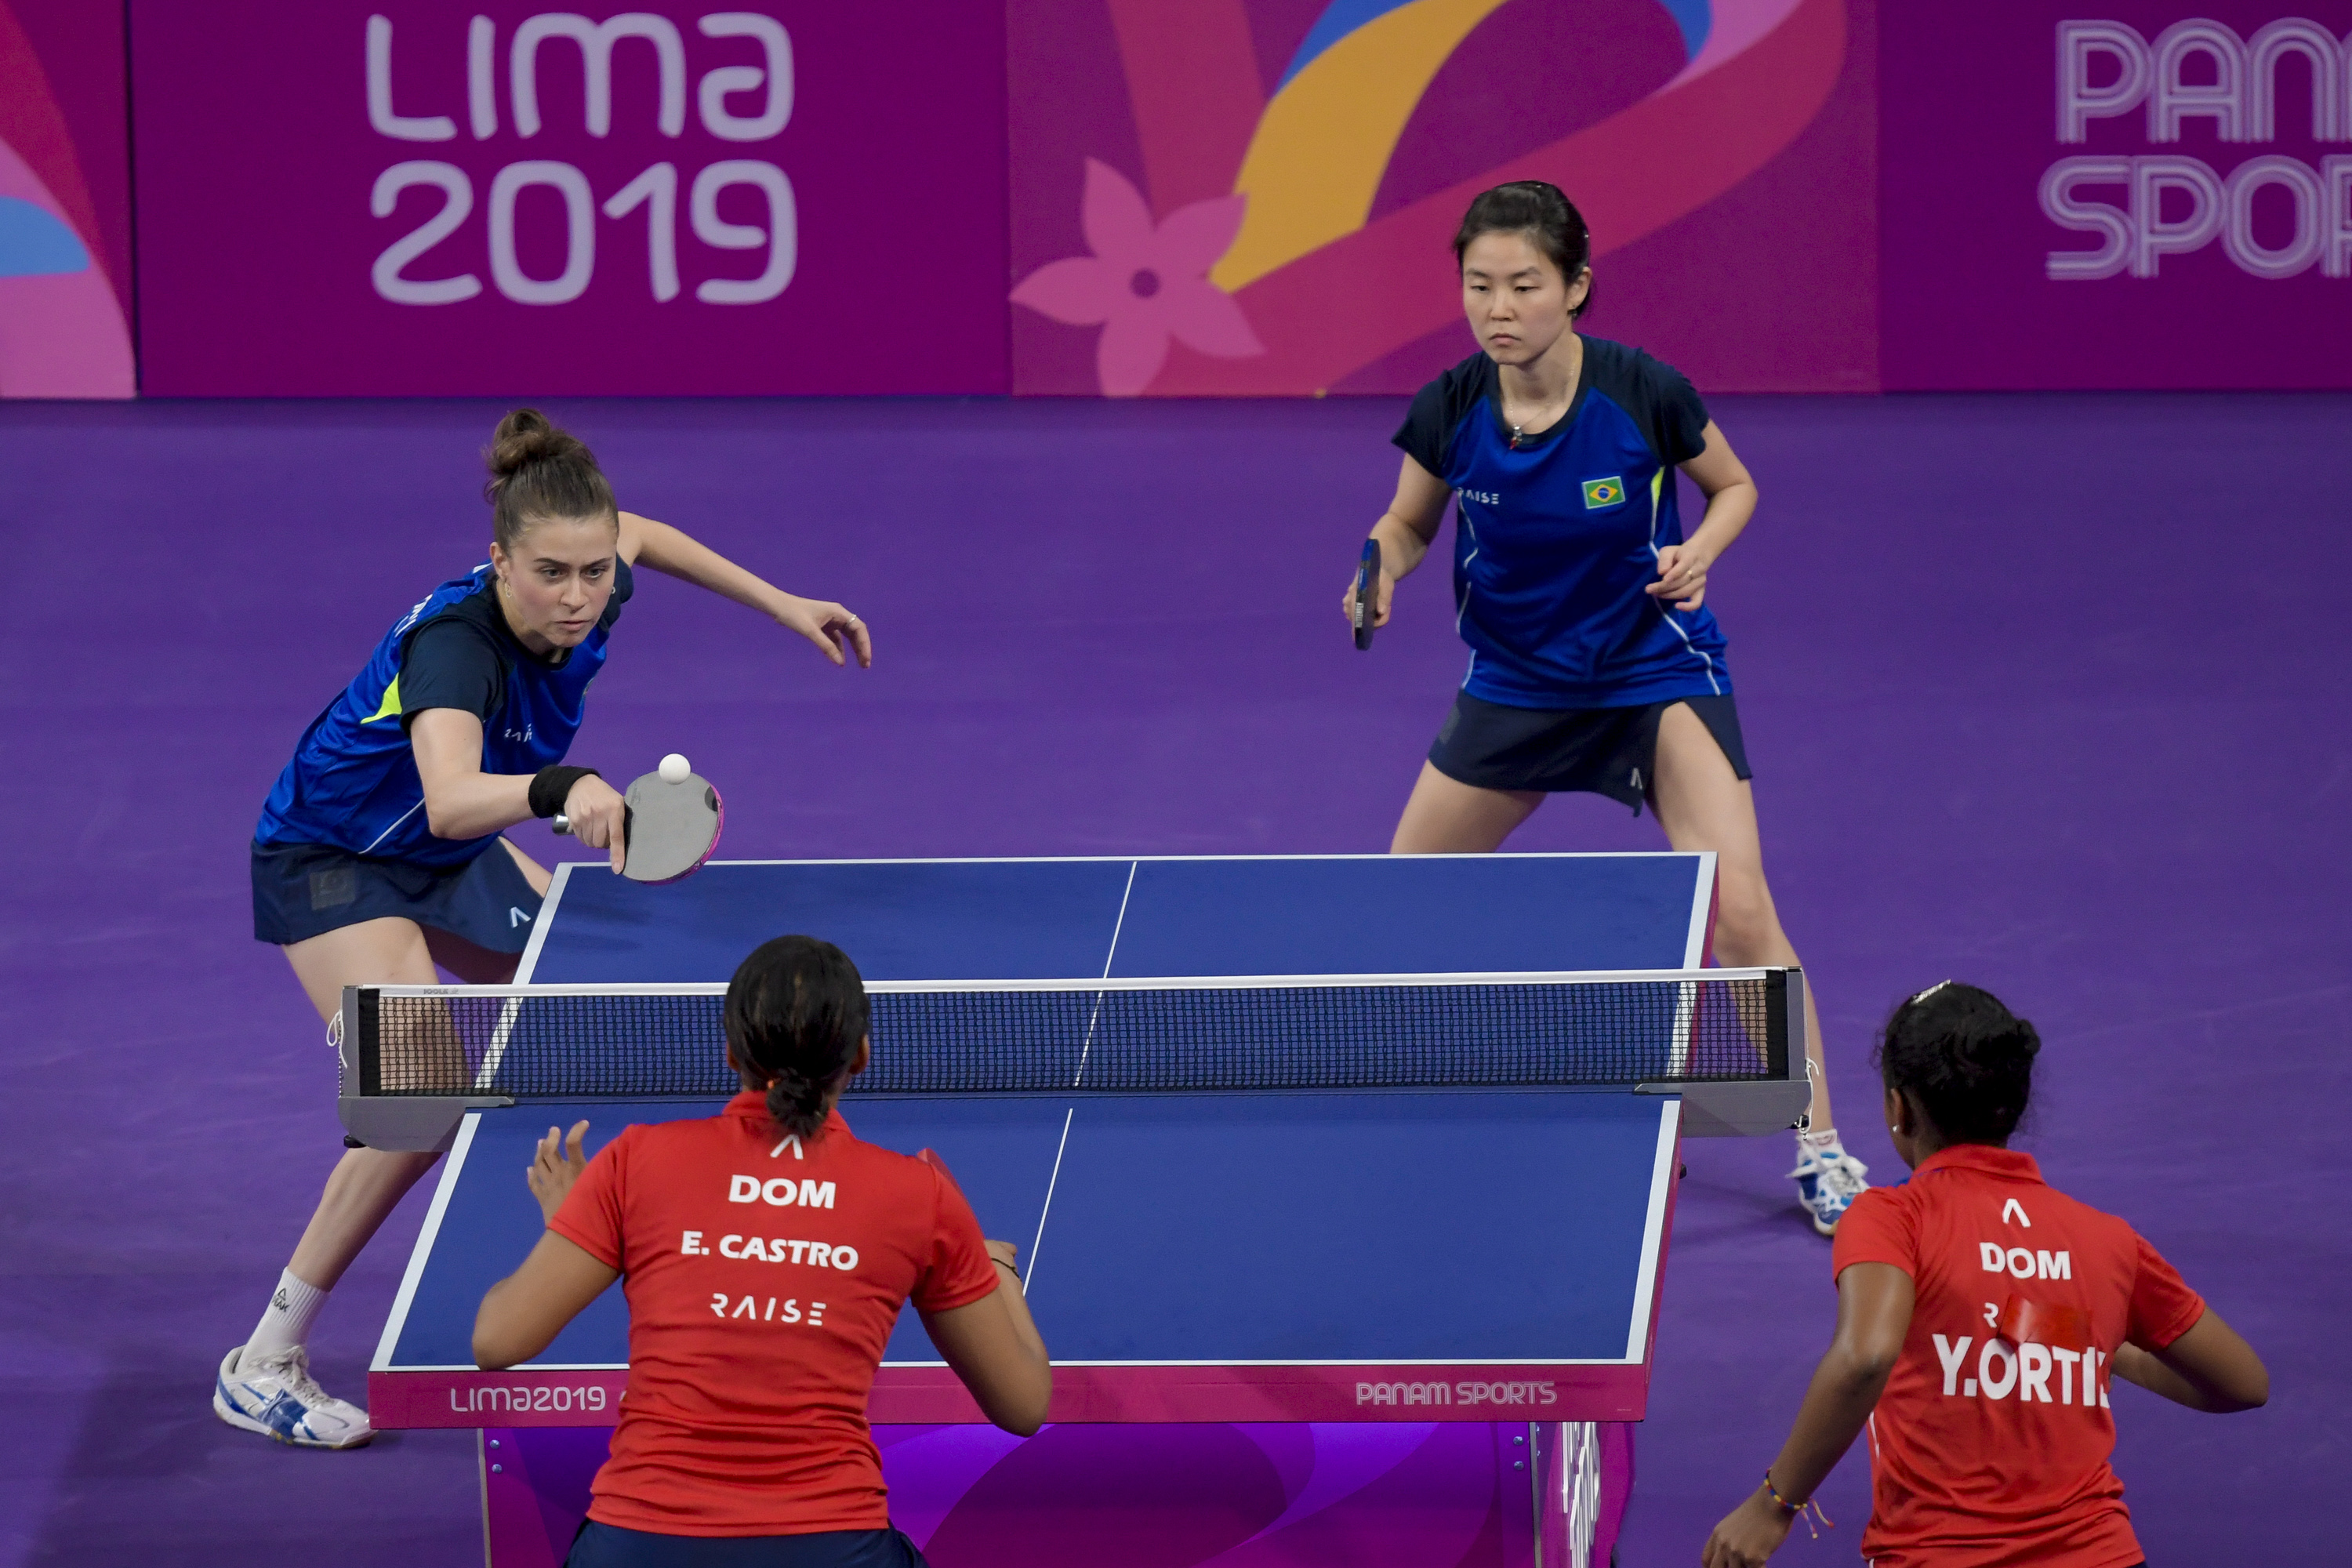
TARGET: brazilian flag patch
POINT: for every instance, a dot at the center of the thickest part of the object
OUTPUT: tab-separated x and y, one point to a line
1599	493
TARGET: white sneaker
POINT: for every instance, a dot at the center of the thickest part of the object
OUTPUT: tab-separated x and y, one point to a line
1827	1182
277	1397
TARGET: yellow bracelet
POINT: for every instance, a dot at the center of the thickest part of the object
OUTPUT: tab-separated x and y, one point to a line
1808	1510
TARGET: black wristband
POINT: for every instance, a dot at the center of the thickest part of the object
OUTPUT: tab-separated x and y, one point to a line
551	787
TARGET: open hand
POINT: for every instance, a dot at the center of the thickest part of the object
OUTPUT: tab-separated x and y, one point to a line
830	627
556	1164
1682	576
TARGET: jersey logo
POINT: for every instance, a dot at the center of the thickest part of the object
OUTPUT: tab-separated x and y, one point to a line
515	917
1599	493
390	707
2013	1207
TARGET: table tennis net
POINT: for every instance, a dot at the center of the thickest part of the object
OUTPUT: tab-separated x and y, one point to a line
573	1042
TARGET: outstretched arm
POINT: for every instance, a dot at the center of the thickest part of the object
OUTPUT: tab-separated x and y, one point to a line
1730	494
1874	1302
2208	1368
1404	532
523	1312
644	542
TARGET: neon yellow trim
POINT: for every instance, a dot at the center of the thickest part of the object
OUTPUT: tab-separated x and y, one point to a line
1323	143
390	707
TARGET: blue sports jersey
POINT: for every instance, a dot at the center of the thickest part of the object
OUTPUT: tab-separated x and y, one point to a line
1559	532
353	782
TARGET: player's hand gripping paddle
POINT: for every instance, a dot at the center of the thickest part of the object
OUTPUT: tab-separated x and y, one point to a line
669	823
1368	588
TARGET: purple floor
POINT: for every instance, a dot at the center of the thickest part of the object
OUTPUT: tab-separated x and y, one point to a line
2042	692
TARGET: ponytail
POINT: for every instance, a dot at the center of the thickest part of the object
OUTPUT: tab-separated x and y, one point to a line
795	1014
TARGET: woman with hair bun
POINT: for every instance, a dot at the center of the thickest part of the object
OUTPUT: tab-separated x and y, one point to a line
1594	664
743	1436
1983	1315
378	851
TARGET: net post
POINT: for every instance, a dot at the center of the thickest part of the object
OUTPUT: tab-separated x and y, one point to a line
1784	1019
362	1038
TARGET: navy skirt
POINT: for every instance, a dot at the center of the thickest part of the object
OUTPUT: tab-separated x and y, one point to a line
302	890
1597	751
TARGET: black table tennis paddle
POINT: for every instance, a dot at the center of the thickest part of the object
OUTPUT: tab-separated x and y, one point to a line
668	830
1368	588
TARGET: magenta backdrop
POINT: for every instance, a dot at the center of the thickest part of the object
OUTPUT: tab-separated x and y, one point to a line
271	138
79	46
1970	134
1722	150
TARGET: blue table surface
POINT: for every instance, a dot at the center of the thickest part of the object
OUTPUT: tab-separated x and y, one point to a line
1054	920
1453	1226
1389	1227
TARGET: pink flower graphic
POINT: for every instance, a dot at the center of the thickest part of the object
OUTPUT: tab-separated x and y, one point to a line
1144	284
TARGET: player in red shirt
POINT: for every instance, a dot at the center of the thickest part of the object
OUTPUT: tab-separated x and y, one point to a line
750	1355
1981	1314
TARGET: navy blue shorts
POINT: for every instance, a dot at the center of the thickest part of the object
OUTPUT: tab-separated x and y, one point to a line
1598	751
610	1546
302	890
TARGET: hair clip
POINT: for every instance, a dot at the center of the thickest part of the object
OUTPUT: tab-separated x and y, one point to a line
1930	992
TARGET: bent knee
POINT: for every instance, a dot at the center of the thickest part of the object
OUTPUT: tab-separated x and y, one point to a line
1746	926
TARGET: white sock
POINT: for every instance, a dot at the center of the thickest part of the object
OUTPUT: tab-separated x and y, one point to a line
287	1322
1824	1142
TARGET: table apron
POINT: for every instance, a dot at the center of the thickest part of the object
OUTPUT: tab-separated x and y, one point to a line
1533	1391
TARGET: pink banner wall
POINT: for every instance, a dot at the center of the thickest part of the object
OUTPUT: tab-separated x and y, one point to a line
1258	196
2117	193
65	201
473	196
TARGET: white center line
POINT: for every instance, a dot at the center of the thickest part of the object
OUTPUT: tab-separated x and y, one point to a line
1096	1018
1029	1275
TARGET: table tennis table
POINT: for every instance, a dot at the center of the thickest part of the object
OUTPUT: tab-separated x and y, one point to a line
1427	1254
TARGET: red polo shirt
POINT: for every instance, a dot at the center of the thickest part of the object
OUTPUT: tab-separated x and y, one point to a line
764	1277
1990	1448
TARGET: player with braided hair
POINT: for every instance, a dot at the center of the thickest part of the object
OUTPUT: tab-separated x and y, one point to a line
743	1435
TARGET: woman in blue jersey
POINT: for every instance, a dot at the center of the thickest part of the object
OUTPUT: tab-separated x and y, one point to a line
1594	664
378	852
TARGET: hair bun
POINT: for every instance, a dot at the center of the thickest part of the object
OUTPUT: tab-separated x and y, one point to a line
537	469
526	437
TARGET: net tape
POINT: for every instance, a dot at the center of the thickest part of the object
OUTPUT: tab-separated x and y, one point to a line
587	1042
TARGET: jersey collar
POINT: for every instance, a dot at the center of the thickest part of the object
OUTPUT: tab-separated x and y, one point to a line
753	1104
2010	1164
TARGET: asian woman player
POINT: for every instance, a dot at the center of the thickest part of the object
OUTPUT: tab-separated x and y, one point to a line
378	852
743	1436
1594	663
1981	1316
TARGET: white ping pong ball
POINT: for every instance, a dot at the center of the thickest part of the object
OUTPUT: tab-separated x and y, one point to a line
673	769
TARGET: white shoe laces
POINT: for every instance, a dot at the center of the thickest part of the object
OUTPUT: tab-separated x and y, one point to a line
1844	1176
292	1368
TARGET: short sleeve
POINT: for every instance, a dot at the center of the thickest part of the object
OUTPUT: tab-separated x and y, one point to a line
450	663
1878	1227
624	585
956	1266
1679	421
1423	434
2163	1306
591	1215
